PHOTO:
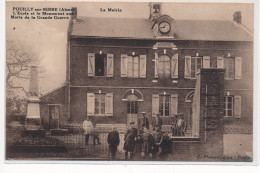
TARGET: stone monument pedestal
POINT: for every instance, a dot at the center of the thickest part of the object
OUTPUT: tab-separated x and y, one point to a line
33	119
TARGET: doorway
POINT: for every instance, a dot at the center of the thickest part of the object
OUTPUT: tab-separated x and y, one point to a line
132	109
54	115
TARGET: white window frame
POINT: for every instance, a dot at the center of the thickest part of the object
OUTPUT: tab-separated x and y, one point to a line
226	105
132	66
160	61
100	103
163	97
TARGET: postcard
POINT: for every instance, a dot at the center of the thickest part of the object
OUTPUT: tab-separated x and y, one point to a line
129	81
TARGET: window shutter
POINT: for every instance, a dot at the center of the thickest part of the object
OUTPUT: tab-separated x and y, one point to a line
90	104
156	63
220	62
174	104
109	104
155	104
142	66
174	66
206	61
238	67
123	65
91	64
237	106
110	65
187	67
129	66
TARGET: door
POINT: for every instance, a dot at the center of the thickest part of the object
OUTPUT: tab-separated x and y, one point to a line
54	114
132	109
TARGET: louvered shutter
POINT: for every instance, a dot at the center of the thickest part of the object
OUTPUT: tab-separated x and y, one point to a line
220	62
91	64
174	104
142	66
187	72
90	104
123	65
156	63
238	67
109	104
237	106
110	65
206	62
155	104
174	66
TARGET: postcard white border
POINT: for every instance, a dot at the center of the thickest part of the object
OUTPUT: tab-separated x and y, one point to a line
66	166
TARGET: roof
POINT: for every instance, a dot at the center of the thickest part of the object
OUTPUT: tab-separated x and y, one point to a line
137	28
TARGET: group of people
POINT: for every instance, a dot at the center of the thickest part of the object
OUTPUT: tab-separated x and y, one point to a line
151	140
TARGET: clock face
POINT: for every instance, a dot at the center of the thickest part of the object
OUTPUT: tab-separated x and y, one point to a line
164	27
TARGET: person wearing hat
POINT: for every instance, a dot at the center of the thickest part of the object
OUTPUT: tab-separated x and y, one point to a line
130	140
157	121
142	122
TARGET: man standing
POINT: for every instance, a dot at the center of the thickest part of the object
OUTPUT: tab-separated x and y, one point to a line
157	121
142	122
130	140
88	127
113	141
157	139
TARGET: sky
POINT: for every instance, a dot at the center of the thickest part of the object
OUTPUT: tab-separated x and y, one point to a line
48	37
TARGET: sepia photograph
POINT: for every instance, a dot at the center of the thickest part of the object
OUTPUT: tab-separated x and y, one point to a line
129	81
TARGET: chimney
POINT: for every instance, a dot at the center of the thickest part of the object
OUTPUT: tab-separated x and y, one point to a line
155	10
33	88
237	17
74	14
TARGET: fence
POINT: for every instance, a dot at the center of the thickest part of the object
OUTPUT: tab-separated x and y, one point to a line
75	143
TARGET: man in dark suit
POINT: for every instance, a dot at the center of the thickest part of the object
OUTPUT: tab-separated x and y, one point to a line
142	122
130	141
113	141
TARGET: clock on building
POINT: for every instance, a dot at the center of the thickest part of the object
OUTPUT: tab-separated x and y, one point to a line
164	27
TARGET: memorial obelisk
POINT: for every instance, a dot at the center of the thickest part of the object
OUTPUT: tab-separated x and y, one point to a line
33	119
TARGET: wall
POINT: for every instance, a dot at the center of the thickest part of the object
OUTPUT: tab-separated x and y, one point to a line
59	97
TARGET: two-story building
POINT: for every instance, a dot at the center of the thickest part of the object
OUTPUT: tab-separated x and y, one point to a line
118	67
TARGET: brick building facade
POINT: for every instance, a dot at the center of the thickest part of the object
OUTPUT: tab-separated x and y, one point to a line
117	68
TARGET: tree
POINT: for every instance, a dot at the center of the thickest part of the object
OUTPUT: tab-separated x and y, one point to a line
18	61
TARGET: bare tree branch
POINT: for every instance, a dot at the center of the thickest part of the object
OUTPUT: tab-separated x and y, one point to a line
18	61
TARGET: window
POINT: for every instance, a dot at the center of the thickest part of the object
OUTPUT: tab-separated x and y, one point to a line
100	64
133	66
230	68
100	103
233	66
196	64
192	65
232	106
164	102
229	105
164	66
132	107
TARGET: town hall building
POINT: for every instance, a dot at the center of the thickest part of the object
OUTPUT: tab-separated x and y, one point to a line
120	67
